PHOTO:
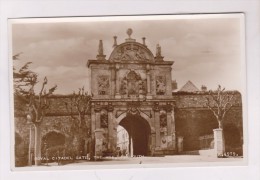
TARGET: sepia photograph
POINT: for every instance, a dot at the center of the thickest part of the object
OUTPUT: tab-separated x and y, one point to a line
138	91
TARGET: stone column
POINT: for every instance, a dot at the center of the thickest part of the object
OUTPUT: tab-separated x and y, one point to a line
98	142
173	129
110	127
152	81
93	120
117	82
93	128
169	123
219	146
180	144
113	82
157	125
173	121
97	118
148	77
153	135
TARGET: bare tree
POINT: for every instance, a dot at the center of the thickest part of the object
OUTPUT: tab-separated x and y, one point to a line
38	104
25	81
80	103
220	102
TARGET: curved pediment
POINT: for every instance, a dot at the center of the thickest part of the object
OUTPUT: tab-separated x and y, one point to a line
131	51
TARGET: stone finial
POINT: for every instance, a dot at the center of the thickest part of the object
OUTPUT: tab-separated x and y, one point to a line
100	48
158	56
129	32
158	50
144	41
100	55
115	41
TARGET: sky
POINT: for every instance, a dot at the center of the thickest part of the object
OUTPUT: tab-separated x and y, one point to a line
206	51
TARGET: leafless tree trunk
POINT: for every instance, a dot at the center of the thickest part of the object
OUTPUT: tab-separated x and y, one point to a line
219	103
37	145
24	83
80	103
38	105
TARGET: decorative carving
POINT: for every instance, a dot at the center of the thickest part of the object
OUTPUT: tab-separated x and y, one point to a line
103	85
103	119
132	82
110	107
142	87
97	107
131	52
163	119
123	89
156	106
168	107
133	107
133	104
160	85
133	85
133	110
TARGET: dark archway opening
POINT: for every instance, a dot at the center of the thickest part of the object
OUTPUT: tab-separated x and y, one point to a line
53	145
139	134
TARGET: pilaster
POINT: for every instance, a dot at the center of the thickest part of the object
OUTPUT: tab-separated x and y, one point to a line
97	117
157	124
110	127
219	145
117	96
148	76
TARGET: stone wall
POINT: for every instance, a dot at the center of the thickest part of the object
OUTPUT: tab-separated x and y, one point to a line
192	119
198	99
60	124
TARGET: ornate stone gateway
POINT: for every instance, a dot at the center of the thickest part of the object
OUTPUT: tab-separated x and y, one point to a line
132	88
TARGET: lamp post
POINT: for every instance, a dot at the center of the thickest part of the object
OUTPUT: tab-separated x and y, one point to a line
29	121
46	152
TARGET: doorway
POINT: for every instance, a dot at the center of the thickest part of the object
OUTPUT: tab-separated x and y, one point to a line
139	134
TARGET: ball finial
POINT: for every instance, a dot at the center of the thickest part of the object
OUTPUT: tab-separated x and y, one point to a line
129	32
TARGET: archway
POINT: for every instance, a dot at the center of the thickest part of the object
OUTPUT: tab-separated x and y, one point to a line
139	134
53	144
